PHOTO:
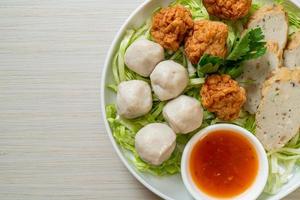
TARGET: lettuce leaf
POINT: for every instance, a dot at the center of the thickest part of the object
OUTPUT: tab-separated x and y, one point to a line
196	8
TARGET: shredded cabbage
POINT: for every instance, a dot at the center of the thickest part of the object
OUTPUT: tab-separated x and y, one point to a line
282	162
196	7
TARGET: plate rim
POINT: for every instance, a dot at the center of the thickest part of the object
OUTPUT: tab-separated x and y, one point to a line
108	59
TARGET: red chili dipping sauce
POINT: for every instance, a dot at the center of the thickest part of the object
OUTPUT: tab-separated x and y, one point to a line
223	164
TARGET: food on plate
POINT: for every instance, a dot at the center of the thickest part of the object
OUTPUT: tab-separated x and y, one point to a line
278	116
170	25
142	56
186	72
134	99
155	143
184	114
274	23
169	79
206	37
292	51
222	95
228	9
255	73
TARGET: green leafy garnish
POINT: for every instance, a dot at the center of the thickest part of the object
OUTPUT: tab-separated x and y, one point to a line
233	69
208	64
250	46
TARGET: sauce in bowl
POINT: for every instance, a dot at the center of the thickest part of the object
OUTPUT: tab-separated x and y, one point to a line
223	164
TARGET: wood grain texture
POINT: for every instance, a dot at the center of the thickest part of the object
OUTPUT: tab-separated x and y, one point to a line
53	144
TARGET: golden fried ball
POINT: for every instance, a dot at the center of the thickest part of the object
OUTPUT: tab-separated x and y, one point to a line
223	95
228	9
170	25
207	37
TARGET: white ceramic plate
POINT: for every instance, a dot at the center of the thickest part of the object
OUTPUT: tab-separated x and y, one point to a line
169	187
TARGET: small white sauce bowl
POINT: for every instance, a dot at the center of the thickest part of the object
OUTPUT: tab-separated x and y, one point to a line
263	168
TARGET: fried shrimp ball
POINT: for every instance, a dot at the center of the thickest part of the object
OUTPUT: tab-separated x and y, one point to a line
223	95
228	9
207	37
170	26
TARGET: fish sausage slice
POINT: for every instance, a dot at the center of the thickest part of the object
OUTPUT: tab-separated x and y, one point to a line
278	115
273	22
256	72
292	51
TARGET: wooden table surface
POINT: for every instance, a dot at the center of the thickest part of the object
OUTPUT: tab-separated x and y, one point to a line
53	144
